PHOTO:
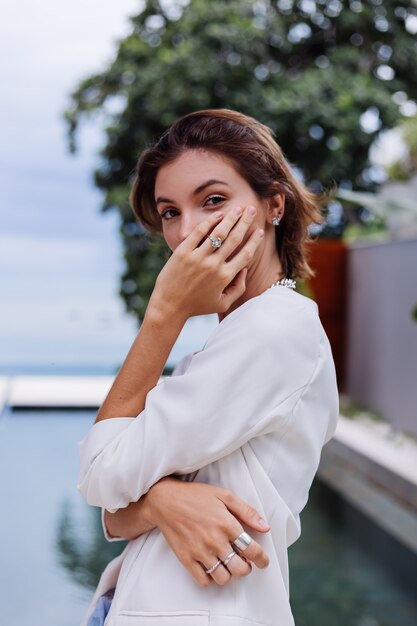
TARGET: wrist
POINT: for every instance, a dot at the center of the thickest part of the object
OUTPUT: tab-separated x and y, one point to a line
161	312
153	500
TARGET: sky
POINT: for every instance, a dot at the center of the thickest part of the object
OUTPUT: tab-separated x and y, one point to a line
60	257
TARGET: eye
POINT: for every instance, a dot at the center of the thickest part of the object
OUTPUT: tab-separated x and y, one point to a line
216	199
164	214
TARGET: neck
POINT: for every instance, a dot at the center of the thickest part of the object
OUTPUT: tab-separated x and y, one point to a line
256	283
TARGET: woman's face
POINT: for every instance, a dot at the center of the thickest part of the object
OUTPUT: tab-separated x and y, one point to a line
195	185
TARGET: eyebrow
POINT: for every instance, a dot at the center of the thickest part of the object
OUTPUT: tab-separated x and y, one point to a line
199	189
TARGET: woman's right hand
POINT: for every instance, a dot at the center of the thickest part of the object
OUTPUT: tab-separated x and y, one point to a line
199	521
198	279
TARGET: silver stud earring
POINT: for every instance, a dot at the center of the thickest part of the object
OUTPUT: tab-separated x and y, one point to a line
275	221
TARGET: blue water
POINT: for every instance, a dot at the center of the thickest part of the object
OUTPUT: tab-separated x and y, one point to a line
52	549
346	570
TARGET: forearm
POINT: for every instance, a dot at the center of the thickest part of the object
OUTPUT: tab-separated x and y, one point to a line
130	522
133	520
143	365
127	396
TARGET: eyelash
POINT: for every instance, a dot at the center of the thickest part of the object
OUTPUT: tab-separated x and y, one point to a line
215	195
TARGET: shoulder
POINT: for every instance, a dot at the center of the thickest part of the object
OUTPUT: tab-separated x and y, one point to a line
274	335
264	351
277	331
277	316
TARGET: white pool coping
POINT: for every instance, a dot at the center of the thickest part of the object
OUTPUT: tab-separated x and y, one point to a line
377	441
56	391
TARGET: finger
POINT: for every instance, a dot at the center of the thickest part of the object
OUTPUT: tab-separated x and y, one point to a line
199	575
221	230
220	575
202	230
239	509
238	282
236	565
237	286
234	290
244	511
234	238
253	552
256	554
242	279
244	257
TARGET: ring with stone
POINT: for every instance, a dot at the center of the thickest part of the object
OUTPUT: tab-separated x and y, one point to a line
242	542
216	242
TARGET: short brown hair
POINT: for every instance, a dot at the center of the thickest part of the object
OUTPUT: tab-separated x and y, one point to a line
251	148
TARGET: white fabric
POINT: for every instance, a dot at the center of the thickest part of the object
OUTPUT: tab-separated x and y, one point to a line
250	412
180	368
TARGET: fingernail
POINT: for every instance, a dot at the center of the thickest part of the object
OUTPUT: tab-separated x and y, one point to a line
237	210
251	210
261	232
218	214
262	523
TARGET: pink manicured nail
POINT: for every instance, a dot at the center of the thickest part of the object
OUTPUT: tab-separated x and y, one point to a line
262	523
217	215
251	210
237	210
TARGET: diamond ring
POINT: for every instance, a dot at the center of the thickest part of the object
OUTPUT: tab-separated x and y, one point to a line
216	242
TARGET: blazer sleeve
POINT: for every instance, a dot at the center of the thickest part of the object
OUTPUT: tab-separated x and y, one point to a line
180	368
243	384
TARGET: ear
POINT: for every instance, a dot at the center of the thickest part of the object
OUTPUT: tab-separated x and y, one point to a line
276	204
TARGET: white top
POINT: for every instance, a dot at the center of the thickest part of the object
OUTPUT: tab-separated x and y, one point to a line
250	412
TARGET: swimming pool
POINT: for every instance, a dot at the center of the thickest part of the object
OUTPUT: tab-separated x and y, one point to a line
53	551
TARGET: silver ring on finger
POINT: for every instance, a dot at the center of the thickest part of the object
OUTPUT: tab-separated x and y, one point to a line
242	542
229	557
216	242
213	567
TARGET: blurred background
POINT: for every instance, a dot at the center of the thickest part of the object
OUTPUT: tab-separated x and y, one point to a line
87	87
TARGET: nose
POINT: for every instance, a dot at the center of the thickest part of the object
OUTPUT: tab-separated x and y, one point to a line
188	222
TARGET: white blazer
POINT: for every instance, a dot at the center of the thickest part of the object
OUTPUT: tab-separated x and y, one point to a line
250	412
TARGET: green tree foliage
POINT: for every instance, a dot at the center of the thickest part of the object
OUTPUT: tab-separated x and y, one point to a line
326	76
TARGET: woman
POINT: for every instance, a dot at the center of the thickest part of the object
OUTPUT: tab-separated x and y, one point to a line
207	472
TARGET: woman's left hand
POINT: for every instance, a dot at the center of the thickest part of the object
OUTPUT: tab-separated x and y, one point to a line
199	521
198	279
